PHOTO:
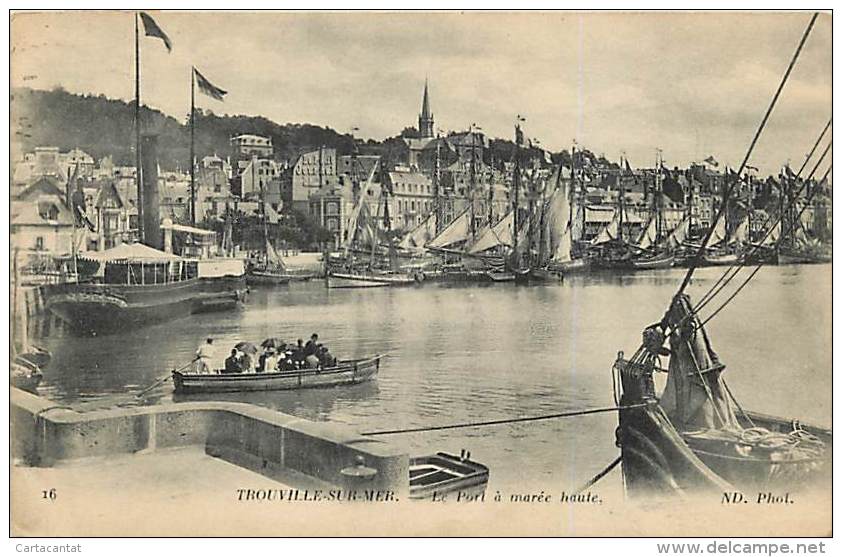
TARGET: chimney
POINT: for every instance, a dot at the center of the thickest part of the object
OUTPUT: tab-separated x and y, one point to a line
151	207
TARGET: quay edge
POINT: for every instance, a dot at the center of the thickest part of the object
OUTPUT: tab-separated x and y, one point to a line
264	441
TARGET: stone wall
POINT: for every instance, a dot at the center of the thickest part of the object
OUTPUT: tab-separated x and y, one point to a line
260	439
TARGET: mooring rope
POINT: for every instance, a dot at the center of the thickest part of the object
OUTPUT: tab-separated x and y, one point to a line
506	421
599	476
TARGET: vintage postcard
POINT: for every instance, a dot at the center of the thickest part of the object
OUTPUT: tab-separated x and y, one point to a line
541	273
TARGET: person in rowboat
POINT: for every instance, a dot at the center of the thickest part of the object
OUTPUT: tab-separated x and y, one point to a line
312	346
325	357
298	352
232	363
271	362
204	357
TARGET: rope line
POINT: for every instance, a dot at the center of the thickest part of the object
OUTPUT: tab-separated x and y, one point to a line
599	476
717	287
760	128
506	421
760	265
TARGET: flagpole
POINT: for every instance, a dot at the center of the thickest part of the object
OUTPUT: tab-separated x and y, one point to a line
137	129
192	146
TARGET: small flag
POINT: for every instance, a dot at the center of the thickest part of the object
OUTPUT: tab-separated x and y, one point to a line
712	161
153	30
207	87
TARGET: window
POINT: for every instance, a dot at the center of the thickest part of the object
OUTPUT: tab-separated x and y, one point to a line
39	243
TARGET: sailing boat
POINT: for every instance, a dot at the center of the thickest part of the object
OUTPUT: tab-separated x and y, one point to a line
695	436
614	252
653	251
364	237
729	251
270	269
726	249
27	359
796	246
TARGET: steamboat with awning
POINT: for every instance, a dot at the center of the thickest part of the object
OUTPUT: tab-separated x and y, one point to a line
133	285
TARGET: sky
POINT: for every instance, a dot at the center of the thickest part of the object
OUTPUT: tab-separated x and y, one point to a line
691	84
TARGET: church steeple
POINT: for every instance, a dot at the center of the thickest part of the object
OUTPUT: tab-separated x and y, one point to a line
425	119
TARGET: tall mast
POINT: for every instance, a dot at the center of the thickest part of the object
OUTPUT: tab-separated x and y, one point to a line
193	148
573	193
658	194
516	185
140	231
490	184
473	183
750	204
781	205
690	206
621	199
437	188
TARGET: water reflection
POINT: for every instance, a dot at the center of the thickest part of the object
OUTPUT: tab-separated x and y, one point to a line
468	352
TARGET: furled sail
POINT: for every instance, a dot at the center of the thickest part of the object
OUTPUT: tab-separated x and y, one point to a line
457	231
360	217
720	232
501	233
273	258
679	233
773	236
421	234
649	236
610	232
740	234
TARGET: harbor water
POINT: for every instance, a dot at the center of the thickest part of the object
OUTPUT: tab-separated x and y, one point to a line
466	353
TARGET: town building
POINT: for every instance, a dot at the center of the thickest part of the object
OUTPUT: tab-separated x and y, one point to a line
247	145
312	172
41	219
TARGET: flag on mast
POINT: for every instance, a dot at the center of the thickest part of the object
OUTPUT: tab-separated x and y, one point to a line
152	29
207	87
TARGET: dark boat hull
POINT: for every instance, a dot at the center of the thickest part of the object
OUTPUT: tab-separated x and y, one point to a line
98	309
656	262
349	372
267	278
538	276
796	258
658	460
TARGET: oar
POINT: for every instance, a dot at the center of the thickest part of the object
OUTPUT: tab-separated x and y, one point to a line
163	379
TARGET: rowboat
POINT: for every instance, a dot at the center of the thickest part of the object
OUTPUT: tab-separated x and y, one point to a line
257	277
368	280
661	261
24	375
346	372
694	436
540	275
571	266
444	473
725	259
786	257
